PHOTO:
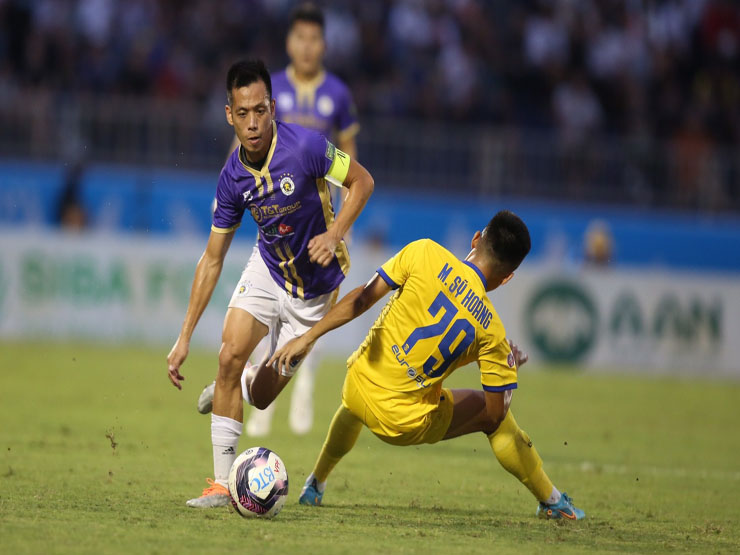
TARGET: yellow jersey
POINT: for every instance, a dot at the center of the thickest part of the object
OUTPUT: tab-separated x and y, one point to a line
439	319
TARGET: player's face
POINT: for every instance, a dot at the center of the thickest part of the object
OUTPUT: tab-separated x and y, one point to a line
305	46
251	113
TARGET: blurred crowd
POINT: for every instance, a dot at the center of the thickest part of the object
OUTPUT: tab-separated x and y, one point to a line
582	65
640	69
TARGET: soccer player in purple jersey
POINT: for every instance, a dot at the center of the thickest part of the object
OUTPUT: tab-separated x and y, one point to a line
307	94
280	174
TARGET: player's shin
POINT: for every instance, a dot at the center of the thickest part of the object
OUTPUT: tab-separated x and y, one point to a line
515	452
225	434
343	433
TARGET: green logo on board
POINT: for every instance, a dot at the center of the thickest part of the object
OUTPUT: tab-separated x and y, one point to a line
562	321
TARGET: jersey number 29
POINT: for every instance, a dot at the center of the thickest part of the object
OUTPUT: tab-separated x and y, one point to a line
461	325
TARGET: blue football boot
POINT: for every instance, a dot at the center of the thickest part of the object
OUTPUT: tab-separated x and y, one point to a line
312	492
562	509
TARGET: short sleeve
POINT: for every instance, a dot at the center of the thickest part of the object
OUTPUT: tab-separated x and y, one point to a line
397	270
347	124
497	367
322	159
228	209
316	154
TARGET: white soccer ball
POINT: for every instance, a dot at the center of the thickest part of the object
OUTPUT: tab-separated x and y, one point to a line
258	483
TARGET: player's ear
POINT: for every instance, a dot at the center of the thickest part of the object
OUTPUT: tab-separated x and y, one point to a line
229	117
476	238
507	278
272	108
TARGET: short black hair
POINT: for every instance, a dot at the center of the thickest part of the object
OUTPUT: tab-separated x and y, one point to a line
309	12
507	239
245	72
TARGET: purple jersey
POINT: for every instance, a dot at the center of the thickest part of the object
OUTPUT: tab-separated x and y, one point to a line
289	200
325	104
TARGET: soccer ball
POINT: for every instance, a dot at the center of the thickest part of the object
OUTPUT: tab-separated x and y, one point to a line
258	483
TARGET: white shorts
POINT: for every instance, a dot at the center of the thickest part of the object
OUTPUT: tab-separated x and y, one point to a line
285	316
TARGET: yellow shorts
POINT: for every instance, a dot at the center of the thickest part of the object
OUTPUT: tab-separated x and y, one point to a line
431	428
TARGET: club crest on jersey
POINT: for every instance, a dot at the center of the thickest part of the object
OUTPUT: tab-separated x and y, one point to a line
247	196
285	101
325	106
510	360
287	186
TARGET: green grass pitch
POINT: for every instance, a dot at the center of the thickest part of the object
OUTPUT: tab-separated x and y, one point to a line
98	453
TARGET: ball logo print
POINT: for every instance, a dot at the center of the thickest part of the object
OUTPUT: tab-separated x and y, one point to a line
258	483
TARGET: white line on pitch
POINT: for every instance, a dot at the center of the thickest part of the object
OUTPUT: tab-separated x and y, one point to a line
591	467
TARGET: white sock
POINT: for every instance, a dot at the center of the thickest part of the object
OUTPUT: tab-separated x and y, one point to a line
321	486
554	497
225	434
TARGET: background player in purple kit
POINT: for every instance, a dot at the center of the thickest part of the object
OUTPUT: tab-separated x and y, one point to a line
307	94
280	174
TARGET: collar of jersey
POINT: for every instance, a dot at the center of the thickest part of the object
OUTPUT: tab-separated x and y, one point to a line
305	87
270	152
477	271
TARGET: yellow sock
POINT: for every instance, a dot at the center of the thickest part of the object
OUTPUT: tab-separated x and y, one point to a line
515	452
342	436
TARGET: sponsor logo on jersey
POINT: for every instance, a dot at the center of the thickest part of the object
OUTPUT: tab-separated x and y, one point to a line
256	212
331	151
278	230
281	230
411	372
277	210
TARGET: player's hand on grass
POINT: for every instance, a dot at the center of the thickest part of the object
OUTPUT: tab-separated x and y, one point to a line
520	357
289	355
177	356
321	248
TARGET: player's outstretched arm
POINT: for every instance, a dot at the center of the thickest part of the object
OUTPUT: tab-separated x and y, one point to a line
347	309
360	184
207	273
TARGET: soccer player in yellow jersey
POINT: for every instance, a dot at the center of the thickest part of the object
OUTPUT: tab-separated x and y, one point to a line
439	319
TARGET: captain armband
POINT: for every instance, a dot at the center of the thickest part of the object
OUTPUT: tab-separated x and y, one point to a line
339	167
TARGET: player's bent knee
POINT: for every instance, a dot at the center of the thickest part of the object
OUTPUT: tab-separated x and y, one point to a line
491	420
231	352
490	425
